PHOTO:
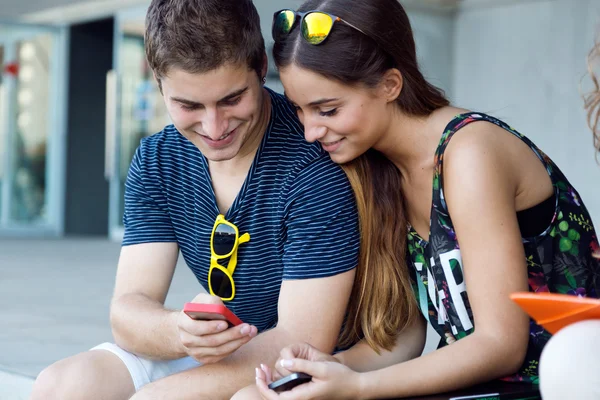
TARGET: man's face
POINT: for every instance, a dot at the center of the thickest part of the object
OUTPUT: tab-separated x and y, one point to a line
218	111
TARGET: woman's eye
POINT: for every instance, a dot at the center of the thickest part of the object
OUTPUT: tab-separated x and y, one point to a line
329	113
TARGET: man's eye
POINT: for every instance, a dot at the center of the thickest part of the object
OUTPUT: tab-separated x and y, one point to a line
232	102
188	108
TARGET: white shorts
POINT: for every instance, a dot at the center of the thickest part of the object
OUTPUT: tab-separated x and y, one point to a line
144	371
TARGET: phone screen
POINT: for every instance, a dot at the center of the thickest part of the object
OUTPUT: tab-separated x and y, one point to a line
289	382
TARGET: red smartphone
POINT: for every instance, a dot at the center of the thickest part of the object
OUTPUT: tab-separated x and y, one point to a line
211	312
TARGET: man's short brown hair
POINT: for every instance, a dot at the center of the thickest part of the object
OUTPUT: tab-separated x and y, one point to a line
202	35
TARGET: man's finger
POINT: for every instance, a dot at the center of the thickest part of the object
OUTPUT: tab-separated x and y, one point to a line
205	298
200	327
219	352
212	339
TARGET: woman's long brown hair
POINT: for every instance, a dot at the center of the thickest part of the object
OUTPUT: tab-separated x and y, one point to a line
592	99
382	303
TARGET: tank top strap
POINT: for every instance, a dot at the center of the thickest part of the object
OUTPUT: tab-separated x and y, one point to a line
456	124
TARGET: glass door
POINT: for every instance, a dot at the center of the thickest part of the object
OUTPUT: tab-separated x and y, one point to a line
135	108
32	128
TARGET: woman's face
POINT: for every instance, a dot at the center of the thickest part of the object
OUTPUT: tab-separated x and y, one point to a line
346	120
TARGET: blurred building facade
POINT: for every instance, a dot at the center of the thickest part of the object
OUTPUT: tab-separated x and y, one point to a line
76	95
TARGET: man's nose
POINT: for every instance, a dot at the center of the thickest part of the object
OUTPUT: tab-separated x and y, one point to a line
214	124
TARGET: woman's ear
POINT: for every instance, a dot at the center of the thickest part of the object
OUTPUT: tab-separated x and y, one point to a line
391	84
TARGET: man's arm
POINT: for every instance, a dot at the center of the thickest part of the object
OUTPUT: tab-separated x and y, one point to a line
141	324
310	310
139	321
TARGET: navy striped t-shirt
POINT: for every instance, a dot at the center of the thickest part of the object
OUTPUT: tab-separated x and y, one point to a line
296	204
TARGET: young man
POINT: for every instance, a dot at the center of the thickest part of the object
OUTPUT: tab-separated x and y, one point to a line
235	149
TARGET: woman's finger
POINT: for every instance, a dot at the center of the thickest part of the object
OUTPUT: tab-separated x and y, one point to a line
263	389
297	350
267	371
279	371
290	352
316	369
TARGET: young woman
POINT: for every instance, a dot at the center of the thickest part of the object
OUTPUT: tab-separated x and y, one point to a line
479	211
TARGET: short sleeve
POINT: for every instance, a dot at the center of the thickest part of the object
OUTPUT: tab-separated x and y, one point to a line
146	218
321	223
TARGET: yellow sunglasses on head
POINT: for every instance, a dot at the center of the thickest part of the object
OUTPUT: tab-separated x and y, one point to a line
224	241
315	26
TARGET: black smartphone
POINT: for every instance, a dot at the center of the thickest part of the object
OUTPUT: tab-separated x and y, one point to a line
525	395
289	382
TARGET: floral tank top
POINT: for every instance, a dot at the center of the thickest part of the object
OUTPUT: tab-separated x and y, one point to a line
558	260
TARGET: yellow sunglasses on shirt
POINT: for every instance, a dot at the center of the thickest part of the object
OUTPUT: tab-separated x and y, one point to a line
224	241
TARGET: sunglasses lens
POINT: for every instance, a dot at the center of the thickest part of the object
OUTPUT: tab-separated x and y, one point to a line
282	24
223	240
316	27
220	283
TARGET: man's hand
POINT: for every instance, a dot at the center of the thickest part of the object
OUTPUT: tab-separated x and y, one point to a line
210	341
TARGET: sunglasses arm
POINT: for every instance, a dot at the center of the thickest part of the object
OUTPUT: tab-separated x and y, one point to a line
233	260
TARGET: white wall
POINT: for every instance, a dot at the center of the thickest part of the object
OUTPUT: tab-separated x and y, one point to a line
433	31
524	63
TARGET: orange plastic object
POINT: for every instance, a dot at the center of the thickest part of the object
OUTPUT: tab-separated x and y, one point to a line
555	311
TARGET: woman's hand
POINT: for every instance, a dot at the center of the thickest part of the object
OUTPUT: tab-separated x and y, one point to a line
330	379
303	351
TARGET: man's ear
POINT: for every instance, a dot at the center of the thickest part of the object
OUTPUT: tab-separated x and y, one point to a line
265	66
391	84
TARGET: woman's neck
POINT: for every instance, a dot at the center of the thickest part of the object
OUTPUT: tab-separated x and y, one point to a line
410	142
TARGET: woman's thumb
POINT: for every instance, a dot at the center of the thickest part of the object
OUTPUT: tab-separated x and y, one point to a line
312	368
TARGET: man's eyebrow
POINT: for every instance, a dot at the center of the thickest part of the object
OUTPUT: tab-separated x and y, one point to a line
186	102
224	99
233	95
